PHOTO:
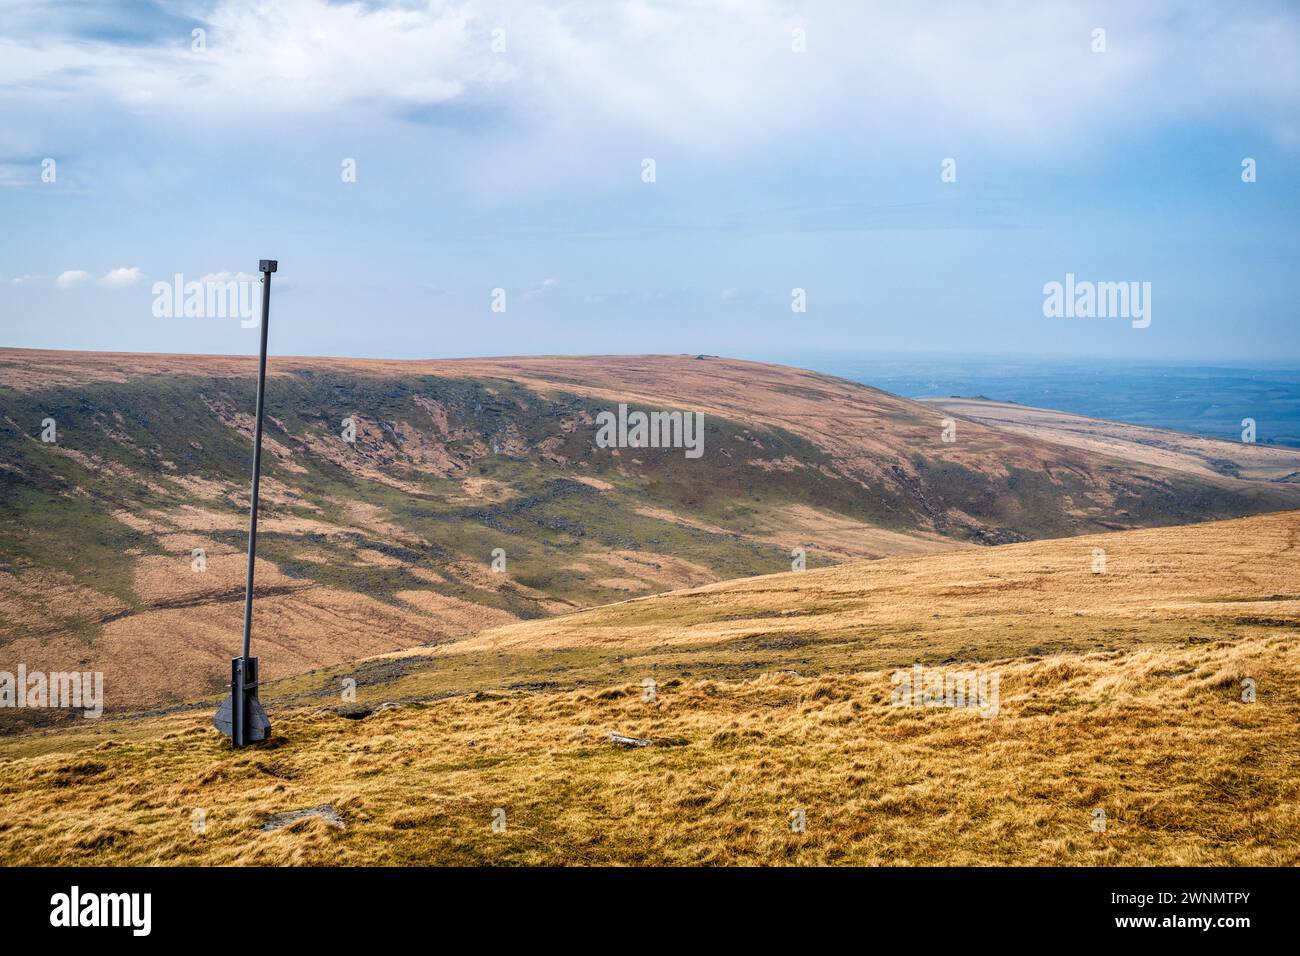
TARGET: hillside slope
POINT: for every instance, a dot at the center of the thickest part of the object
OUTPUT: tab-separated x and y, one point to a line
388	541
1210	458
1155	586
1120	734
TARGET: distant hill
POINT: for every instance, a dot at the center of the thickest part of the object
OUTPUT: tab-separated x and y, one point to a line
1211	458
387	542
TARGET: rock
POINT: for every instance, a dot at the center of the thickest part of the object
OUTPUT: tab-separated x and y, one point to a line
352	712
325	811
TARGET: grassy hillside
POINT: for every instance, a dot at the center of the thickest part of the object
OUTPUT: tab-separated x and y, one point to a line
387	542
1120	692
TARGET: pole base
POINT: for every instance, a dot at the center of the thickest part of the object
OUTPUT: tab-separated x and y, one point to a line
240	716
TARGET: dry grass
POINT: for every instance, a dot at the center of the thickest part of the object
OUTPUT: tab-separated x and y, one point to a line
1186	772
1152	730
1158	584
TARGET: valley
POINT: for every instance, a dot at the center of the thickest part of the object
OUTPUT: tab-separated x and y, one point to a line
121	544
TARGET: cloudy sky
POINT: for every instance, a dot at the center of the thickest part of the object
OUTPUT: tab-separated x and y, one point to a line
796	145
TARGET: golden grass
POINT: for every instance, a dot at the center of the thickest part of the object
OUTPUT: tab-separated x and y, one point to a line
1148	725
1039	596
1186	772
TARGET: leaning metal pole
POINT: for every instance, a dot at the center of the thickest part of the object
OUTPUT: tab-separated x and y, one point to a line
241	716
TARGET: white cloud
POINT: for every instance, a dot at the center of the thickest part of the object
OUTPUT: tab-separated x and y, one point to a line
72	277
122	277
22	280
715	77
301	49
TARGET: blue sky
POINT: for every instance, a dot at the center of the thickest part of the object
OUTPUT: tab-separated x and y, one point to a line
775	169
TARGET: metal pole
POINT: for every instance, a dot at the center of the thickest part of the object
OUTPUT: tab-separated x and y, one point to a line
267	268
241	717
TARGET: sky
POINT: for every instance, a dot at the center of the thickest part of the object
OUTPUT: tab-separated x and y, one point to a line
921	171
